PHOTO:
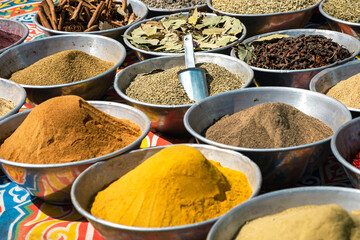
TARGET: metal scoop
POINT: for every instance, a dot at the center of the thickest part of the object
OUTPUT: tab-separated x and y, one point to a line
193	79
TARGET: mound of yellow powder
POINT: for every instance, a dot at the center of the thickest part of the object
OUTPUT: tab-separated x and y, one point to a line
176	186
325	222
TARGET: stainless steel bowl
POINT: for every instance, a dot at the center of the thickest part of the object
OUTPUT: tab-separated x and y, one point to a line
13	92
143	54
153	12
301	78
52	182
100	175
228	225
14	27
280	167
336	24
24	55
326	79
169	118
139	8
264	23
345	144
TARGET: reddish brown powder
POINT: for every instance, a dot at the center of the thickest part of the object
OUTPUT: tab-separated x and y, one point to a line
268	125
67	129
7	39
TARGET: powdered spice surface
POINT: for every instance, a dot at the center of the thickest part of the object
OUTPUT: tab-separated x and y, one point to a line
268	125
67	129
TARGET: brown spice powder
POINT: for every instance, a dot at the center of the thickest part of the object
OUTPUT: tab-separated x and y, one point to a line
61	68
268	125
67	129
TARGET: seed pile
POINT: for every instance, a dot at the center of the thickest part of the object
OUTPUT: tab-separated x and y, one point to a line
261	7
268	125
347	91
302	52
61	68
5	106
173	4
165	88
346	10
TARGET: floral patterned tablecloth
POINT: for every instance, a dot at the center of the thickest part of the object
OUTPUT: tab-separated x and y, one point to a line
26	217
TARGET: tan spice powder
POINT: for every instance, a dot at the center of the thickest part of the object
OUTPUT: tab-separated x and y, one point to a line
61	68
5	106
67	129
347	91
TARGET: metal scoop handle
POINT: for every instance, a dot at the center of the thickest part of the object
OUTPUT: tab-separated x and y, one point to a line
189	51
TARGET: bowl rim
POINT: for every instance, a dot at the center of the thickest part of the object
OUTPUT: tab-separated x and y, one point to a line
158	18
91	217
21	102
283	192
311	31
335	151
209	3
261	89
315	79
22	39
57	32
132	100
102	38
321	10
86	161
174	10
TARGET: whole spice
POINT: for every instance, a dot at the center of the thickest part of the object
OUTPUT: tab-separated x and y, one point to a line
165	88
5	106
356	160
85	15
268	125
7	39
261	7
292	53
61	68
176	186
346	10
67	129
173	4
311	222
166	34
347	91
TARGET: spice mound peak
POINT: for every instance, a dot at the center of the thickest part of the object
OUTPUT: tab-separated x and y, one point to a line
176	186
62	68
67	129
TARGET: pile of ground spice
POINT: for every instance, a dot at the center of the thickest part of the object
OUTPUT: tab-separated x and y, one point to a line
5	106
173	4
268	125
176	186
61	68
347	91
165	87
67	129
7	39
310	222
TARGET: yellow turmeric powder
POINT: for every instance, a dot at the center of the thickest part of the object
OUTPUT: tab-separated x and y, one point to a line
176	186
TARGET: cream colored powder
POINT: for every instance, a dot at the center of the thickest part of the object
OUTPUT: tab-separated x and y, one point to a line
5	106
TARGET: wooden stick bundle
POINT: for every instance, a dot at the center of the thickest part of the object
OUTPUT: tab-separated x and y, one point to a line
85	15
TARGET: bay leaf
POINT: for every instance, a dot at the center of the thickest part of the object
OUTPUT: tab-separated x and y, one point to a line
105	25
137	32
272	37
245	52
120	10
209	31
193	19
236	27
150	31
223	41
205	45
211	21
146	41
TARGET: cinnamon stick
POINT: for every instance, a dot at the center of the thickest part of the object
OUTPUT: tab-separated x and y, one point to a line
92	28
52	10
43	19
96	14
124	4
61	20
77	11
48	15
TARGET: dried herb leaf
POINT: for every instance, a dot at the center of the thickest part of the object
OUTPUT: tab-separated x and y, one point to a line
193	19
272	37
105	25
245	52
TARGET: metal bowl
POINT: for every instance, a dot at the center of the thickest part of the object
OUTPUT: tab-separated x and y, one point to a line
280	167
13	92
344	145
52	182
228	225
153	12
14	27
143	54
24	55
301	78
264	23
336	24
328	78
100	175
169	118
139	8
